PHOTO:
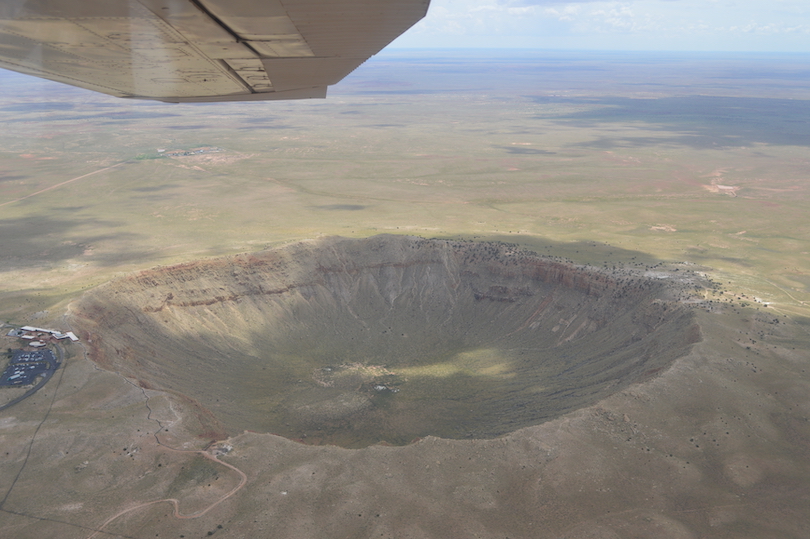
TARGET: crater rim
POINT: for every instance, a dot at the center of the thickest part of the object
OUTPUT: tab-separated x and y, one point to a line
124	327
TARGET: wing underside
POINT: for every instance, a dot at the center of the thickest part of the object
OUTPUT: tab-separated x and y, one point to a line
199	50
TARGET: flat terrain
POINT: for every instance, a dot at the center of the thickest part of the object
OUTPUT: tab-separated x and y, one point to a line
698	162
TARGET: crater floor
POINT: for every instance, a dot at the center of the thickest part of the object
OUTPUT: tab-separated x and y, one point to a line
386	339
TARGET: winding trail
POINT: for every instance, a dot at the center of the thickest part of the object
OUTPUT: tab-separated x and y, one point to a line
788	294
174	501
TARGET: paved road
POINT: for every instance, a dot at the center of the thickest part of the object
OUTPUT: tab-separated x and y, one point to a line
60	356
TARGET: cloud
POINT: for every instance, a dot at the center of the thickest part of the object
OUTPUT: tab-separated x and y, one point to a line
622	18
568	13
768	29
548	2
521	11
616	24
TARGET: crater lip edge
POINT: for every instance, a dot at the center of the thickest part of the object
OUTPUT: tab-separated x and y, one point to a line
450	338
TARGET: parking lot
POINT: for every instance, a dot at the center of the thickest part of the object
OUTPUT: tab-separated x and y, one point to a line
26	366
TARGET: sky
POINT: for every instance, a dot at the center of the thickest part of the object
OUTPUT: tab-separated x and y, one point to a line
674	25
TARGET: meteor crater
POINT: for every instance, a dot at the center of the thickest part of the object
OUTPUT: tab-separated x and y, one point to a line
386	339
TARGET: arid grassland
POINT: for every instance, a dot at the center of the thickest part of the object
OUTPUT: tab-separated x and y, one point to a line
651	165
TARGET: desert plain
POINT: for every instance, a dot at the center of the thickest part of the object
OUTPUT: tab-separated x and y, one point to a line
677	168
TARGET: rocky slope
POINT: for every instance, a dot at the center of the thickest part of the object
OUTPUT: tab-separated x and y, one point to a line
385	339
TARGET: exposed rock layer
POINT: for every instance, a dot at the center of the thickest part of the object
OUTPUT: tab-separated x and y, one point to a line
386	339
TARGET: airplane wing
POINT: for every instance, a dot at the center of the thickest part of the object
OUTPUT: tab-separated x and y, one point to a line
199	50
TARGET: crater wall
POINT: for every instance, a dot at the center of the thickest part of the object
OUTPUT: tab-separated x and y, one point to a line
385	339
